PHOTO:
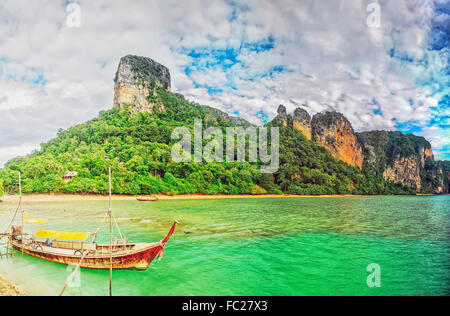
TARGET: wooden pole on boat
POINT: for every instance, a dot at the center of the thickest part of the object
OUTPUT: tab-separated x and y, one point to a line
110	235
22	235
20	192
7	248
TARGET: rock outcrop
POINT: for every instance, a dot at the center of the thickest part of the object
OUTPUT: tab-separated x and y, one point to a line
282	115
427	153
135	82
445	166
405	170
418	171
302	122
334	132
375	145
433	179
136	88
400	158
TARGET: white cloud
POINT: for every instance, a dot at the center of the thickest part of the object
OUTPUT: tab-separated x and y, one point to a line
334	60
15	151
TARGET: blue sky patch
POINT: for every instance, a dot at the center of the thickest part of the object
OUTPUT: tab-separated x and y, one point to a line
262	116
408	127
204	59
28	75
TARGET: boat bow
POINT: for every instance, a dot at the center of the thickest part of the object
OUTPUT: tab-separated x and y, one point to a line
165	240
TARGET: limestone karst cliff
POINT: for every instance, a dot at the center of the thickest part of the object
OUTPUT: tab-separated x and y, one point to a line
282	115
135	80
334	132
302	122
405	170
330	130
445	166
406	159
403	158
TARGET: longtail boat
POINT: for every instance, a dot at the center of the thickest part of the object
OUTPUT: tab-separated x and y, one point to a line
72	248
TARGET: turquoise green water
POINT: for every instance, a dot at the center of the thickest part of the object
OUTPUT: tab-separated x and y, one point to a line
307	246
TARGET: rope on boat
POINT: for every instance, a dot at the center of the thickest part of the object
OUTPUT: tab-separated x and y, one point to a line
118	228
15	214
98	228
121	237
7	231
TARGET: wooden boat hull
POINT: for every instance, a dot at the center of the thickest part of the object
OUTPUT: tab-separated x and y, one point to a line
136	257
148	200
140	260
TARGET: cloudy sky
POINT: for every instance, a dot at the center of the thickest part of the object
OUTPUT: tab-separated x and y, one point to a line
244	57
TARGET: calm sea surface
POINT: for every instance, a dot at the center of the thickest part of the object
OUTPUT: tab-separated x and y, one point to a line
280	246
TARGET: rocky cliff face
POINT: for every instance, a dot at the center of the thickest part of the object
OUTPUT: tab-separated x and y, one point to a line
375	145
334	132
445	166
432	172
396	157
418	171
405	170
135	81
402	158
282	115
331	130
427	153
302	122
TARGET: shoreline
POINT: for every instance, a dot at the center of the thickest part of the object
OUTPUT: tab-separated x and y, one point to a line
97	197
61	197
9	289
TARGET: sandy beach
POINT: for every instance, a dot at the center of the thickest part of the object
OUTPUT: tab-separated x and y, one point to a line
93	197
8	289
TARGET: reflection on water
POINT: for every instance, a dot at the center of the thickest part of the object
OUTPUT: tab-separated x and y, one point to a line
259	246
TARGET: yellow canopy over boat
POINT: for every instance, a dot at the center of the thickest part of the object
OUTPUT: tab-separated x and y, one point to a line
52	234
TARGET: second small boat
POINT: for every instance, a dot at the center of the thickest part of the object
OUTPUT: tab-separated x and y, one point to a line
148	199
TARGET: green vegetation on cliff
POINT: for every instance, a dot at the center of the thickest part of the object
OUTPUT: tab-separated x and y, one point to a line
138	148
382	149
445	164
307	168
